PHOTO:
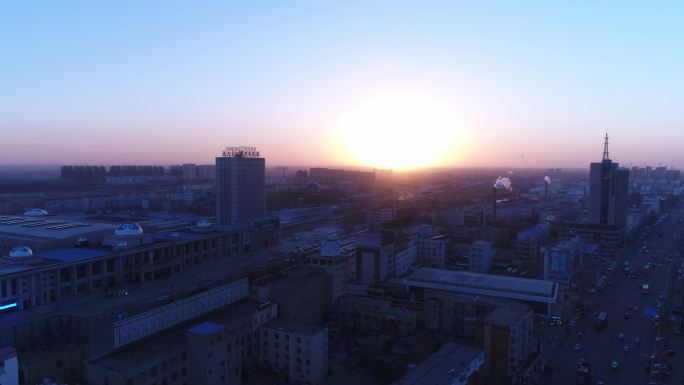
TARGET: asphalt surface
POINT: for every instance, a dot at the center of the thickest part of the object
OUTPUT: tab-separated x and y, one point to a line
601	347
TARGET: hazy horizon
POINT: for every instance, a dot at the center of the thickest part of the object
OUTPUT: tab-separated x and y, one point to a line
377	85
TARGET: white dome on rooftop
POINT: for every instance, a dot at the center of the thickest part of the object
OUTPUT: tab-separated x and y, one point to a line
21	252
35	213
203	223
128	229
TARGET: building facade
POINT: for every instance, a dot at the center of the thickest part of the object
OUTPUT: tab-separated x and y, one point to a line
433	252
480	256
374	257
297	352
608	190
240	184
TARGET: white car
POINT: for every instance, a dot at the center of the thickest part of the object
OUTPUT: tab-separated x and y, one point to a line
621	336
626	349
615	365
577	347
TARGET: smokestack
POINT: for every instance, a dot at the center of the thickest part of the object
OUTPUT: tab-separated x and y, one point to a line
494	206
547	181
546	190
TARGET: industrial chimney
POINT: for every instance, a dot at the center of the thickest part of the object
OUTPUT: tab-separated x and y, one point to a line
494	206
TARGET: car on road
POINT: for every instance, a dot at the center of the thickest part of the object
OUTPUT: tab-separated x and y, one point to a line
576	347
637	340
621	336
669	352
572	323
626	349
615	365
628	315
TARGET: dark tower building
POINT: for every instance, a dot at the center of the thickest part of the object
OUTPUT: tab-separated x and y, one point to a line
240	181
608	192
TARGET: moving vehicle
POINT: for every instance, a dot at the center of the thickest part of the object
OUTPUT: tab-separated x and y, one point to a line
644	288
583	372
601	319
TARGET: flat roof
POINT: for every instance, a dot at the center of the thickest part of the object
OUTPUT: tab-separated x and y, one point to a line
49	227
206	328
507	314
450	361
139	355
294	327
10	269
73	254
484	284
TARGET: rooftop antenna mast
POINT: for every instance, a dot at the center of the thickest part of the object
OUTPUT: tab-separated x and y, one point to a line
606	158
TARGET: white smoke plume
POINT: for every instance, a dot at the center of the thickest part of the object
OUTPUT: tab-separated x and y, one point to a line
502	183
510	172
547	180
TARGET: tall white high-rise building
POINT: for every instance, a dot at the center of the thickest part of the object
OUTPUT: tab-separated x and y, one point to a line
240	180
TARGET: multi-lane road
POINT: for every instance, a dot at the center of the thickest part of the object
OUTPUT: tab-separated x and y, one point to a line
616	341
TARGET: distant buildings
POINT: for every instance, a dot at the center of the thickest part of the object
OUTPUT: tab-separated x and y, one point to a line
84	174
433	252
338	261
563	260
405	257
480	256
608	191
357	180
240	181
374	256
538	294
379	216
529	241
303	294
608	206
452	216
374	316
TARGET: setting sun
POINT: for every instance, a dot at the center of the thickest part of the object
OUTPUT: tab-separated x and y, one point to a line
401	132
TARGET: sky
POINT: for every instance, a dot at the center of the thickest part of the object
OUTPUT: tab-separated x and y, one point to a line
374	83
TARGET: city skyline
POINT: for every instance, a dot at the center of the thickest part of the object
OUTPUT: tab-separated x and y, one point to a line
342	85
